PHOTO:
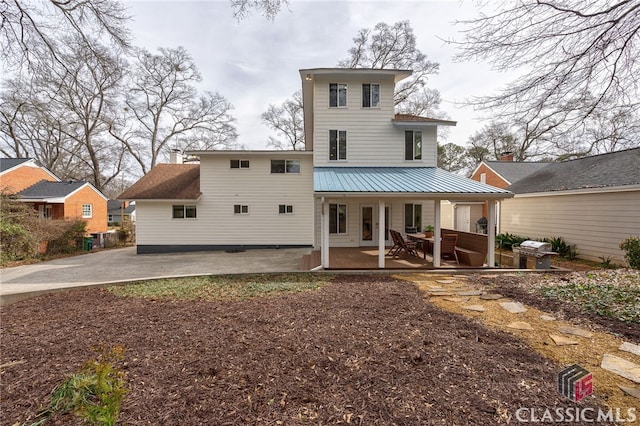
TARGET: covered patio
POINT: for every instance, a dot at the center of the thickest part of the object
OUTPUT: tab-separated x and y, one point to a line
381	188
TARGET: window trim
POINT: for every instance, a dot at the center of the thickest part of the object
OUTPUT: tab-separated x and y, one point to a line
240	164
346	95
371	85
337	218
285	209
89	209
242	209
185	209
346	145
286	167
413	145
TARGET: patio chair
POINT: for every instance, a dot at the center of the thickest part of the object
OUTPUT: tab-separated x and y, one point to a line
448	247
396	246
405	246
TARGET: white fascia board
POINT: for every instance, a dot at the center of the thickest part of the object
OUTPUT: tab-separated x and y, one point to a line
610	189
268	153
92	187
421	124
414	195
163	200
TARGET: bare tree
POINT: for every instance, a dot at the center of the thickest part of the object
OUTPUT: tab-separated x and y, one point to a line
288	121
496	138
30	30
579	60
268	8
163	109
394	47
451	157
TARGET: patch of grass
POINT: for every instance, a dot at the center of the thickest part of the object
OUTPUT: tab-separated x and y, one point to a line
619	301
94	393
223	287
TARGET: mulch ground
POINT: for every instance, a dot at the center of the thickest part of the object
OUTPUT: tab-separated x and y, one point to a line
364	350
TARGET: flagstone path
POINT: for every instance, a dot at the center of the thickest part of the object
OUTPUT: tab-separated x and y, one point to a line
615	364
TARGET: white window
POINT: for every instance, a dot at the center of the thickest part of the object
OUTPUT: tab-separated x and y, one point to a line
413	217
110	218
285	209
240	209
337	218
239	164
412	145
337	95
285	166
370	95
181	211
87	210
337	144
483	177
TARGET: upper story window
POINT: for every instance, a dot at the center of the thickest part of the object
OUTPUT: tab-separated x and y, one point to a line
412	145
240	209
184	212
239	164
87	210
285	209
285	166
370	95
337	95
337	144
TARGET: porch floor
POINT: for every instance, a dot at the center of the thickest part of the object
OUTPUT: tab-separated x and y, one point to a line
367	258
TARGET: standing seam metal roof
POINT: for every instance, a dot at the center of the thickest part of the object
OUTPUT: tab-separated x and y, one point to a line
397	180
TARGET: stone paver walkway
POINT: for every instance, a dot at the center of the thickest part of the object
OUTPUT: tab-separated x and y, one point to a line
615	364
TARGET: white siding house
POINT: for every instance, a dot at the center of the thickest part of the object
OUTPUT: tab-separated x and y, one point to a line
591	202
365	170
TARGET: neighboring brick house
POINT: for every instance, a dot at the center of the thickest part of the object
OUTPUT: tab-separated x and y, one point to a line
67	200
17	174
52	198
471	216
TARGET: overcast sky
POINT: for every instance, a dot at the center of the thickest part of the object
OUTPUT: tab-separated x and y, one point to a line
255	62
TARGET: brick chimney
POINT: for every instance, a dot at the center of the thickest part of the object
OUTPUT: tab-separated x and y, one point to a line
506	156
175	157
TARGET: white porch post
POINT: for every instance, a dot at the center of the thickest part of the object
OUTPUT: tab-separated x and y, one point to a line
381	228
324	253
436	234
491	234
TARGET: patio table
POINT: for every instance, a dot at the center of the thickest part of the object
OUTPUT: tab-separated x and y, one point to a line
425	242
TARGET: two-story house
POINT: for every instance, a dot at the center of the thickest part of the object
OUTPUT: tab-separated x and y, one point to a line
365	170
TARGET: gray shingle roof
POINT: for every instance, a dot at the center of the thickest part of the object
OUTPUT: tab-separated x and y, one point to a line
621	168
397	180
9	163
46	189
514	171
115	207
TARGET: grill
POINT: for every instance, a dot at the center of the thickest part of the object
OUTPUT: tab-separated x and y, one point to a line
534	255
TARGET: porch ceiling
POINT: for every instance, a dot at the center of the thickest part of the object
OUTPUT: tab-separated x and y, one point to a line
401	181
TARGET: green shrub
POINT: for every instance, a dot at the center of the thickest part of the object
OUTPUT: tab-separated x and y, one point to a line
506	241
632	246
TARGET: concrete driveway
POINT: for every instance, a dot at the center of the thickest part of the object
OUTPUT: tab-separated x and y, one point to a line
121	265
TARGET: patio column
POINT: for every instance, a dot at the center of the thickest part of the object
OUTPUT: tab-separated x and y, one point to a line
381	228
491	234
324	229
436	234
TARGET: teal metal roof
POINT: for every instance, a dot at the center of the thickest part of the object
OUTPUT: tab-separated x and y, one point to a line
398	180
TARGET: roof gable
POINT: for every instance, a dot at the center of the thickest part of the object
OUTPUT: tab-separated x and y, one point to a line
166	182
621	168
513	171
9	163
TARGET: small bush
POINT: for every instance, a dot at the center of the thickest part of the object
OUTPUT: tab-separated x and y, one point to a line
94	393
506	241
632	246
